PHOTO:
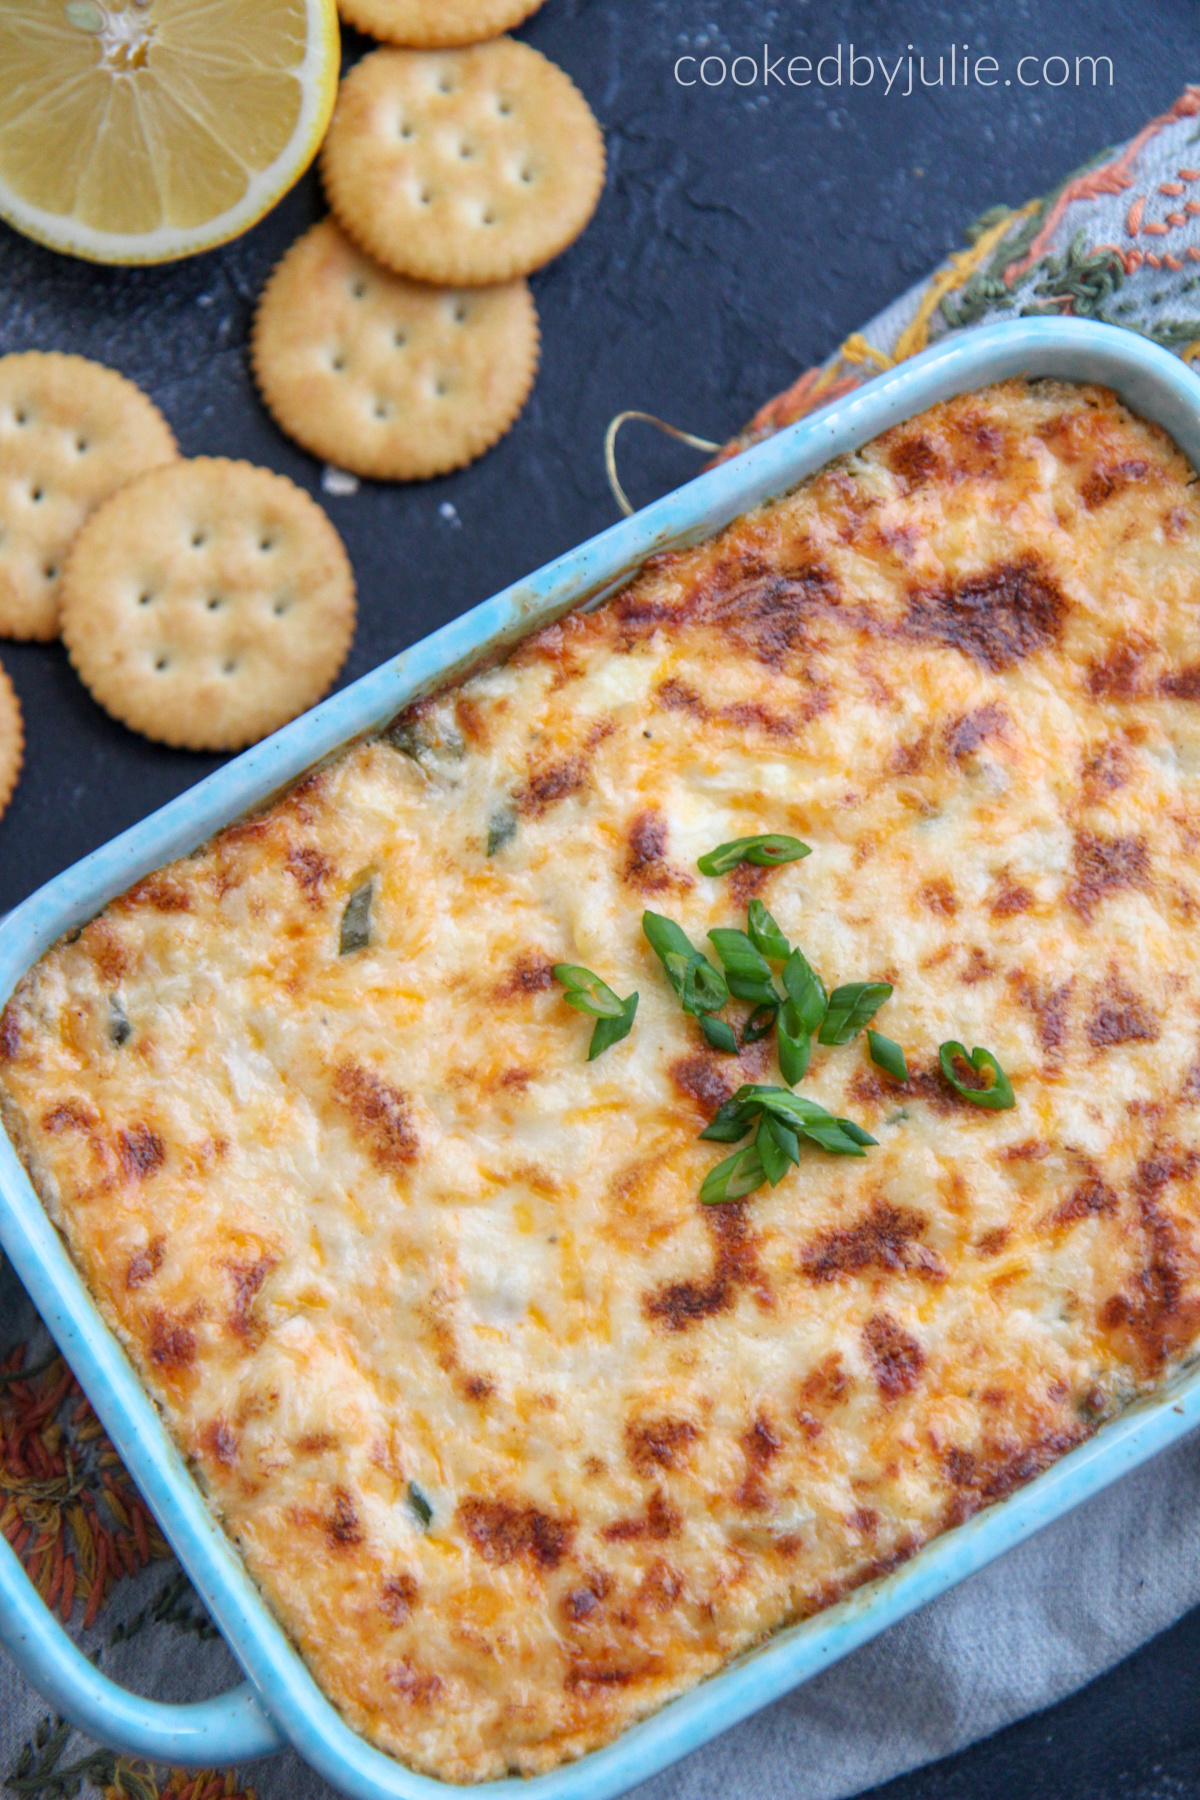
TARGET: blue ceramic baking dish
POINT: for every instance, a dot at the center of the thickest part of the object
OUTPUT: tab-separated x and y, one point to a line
279	1703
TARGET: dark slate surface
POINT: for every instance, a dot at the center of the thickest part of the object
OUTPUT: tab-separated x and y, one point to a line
739	238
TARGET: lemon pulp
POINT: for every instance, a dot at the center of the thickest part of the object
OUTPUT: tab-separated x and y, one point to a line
138	130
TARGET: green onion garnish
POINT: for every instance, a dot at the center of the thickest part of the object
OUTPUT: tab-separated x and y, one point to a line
760	1022
734	1178
704	988
769	849
119	1028
700	987
794	1045
611	1031
405	736
588	994
747	973
719	1033
800	1016
502	829
850	1008
729	1124
998	1096
856	1133
356	920
887	1055
778	1148
806	991
783	1119
765	934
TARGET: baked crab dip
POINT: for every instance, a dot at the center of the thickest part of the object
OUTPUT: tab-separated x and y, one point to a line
861	839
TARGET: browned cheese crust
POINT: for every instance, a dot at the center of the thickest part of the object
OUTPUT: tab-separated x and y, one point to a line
381	1241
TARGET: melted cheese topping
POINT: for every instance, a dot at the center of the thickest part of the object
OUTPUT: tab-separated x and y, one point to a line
382	1241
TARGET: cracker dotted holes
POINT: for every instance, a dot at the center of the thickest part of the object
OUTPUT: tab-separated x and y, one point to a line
71	431
436	24
462	167
389	378
207	603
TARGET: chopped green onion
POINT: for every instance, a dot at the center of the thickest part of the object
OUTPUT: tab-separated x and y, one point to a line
734	1178
800	1017
677	963
502	829
765	934
794	1045
665	938
778	1147
998	1096
421	736
700	987
783	1119
420	1506
729	1124
405	736
719	1033
768	850
704	988
119	1028
856	1133
748	973
887	1055
588	994
850	1008
757	1095
806	991
356	920
831	1135
759	1024
799	1114
611	1031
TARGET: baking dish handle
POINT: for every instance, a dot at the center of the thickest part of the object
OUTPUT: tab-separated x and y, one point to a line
230	1729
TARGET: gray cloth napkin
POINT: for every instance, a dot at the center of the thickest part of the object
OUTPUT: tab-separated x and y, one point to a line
1117	242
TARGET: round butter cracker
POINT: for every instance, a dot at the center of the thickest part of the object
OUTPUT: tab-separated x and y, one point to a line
71	431
436	24
207	603
462	166
12	739
386	377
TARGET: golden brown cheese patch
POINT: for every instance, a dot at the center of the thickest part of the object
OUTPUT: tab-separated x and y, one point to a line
517	1439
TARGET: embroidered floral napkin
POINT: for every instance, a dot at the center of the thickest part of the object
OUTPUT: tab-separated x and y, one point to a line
1118	241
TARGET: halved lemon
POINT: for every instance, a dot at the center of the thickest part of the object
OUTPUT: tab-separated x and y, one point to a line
135	131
